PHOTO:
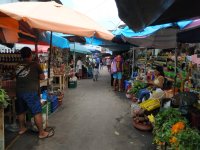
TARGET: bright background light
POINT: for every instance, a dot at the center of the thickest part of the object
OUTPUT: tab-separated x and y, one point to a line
103	12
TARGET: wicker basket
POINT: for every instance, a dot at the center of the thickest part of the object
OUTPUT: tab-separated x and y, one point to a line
141	126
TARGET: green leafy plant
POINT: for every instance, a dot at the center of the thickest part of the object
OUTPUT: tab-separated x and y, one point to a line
188	139
137	85
4	98
171	129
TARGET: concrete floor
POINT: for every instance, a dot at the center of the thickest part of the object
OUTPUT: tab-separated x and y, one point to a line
92	117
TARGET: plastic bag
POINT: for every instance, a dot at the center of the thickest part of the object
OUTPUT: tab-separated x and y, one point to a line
158	94
113	67
134	108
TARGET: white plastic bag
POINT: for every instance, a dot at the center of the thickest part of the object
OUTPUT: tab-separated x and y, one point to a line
134	107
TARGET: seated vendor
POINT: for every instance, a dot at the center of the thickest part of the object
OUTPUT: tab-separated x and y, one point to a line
158	82
159	78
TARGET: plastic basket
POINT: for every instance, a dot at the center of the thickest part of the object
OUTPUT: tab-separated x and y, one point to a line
54	102
150	104
72	84
44	108
158	95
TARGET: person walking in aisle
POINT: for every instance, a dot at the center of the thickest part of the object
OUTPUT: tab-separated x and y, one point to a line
79	68
108	64
95	72
117	70
28	75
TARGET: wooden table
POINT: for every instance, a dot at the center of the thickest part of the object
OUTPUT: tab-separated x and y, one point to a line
45	82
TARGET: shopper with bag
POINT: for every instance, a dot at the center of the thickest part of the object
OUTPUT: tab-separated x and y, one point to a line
117	70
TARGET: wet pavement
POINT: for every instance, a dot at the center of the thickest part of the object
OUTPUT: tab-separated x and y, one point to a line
92	117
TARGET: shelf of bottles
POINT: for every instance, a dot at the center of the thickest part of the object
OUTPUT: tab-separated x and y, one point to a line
8	60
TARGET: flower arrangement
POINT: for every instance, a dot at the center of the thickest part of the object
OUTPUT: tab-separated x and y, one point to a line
172	130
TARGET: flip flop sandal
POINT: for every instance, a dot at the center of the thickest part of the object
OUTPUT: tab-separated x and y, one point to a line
47	129
22	132
50	134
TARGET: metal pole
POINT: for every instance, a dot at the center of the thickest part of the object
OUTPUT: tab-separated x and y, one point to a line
49	72
74	57
133	59
175	67
50	53
91	44
92	38
36	51
145	67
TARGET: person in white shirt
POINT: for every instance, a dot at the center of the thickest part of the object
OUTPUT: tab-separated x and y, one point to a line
79	67
95	73
108	64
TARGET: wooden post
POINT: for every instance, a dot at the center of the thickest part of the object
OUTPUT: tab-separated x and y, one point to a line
2	129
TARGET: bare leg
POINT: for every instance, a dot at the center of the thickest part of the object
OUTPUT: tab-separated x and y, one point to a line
114	84
38	121
22	127
96	77
120	84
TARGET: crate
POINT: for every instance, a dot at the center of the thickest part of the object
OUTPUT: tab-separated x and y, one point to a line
44	110
72	84
54	102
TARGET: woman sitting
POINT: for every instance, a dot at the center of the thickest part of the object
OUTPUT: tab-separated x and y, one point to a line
159	78
158	82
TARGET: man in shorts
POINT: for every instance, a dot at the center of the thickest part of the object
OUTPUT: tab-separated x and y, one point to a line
118	61
28	75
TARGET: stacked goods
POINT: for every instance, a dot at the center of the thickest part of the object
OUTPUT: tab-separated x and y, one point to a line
141	121
150	104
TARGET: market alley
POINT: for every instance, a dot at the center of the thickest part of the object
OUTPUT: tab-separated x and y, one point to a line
92	117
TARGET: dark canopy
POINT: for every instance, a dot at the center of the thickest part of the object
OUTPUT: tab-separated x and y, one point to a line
138	14
189	36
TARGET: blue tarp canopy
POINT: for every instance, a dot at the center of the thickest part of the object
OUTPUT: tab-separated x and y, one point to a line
79	48
127	32
114	47
159	36
57	40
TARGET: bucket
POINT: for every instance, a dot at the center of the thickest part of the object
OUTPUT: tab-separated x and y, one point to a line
126	84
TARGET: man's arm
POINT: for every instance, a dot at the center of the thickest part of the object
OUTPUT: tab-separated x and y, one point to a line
41	73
